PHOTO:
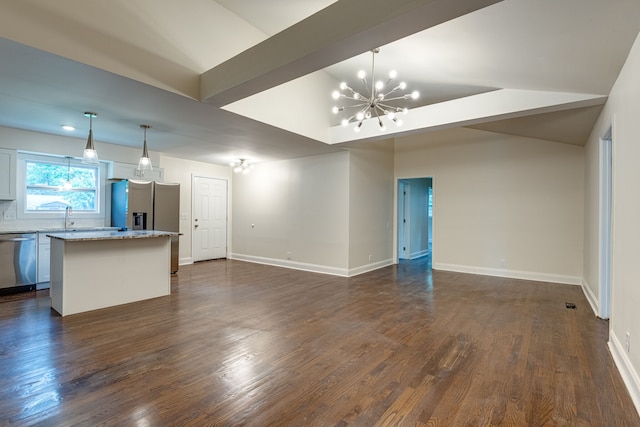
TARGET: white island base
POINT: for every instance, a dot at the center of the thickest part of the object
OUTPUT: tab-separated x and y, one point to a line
97	270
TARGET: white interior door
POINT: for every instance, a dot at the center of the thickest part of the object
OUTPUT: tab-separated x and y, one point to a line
209	224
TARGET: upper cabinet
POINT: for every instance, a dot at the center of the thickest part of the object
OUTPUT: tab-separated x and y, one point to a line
128	171
7	174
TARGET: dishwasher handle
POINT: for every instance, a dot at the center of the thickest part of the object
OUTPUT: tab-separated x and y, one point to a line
16	239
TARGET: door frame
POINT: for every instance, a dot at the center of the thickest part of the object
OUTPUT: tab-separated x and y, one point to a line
605	224
193	203
404	220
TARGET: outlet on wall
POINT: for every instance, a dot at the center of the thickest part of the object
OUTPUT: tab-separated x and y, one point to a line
9	216
503	263
628	342
288	255
370	257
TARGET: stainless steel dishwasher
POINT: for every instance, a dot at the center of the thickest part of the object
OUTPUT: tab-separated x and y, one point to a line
17	262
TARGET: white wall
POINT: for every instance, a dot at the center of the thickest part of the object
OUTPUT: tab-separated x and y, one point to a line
297	207
182	171
621	112
500	197
370	206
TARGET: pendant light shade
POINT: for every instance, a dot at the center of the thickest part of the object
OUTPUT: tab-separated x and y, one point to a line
145	162
90	155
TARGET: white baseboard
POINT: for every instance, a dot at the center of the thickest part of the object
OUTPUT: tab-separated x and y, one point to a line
370	267
315	268
591	298
629	375
185	261
512	274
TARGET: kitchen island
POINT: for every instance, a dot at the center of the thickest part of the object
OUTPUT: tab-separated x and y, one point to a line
92	270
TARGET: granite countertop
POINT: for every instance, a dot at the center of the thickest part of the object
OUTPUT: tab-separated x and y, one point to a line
58	230
71	236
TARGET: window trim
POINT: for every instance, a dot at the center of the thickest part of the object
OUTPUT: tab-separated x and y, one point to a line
22	213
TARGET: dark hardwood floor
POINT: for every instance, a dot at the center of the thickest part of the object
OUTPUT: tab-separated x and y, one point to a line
245	344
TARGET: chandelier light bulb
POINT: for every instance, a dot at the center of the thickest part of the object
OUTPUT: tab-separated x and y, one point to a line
391	115
361	74
335	110
399	122
343	86
379	84
336	94
393	74
405	111
415	94
345	122
402	85
360	116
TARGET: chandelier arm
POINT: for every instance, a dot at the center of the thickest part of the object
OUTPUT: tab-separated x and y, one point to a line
350	90
394	90
356	105
362	110
390	107
354	98
382	110
398	97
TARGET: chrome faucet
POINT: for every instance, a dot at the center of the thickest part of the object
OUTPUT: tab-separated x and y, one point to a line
67	217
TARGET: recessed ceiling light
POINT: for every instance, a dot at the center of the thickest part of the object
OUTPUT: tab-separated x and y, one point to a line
68	128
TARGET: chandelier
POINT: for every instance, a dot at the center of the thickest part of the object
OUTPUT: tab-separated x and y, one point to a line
375	101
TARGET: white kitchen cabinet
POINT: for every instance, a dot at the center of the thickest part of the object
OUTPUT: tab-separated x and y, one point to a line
7	174
44	258
118	170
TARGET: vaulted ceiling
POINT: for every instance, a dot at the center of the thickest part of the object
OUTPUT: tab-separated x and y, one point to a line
227	79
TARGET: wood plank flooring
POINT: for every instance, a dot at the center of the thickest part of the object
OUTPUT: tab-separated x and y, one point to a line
245	344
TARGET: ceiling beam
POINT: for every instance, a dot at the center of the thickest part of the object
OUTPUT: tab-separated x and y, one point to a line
338	32
471	110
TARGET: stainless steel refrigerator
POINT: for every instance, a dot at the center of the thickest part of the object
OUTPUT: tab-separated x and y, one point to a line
147	205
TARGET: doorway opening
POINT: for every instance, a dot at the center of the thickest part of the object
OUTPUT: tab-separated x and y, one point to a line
415	219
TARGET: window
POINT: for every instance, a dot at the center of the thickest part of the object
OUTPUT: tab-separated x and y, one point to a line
50	184
53	187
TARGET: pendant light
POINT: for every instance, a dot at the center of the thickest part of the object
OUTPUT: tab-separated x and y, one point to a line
145	162
67	185
90	155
